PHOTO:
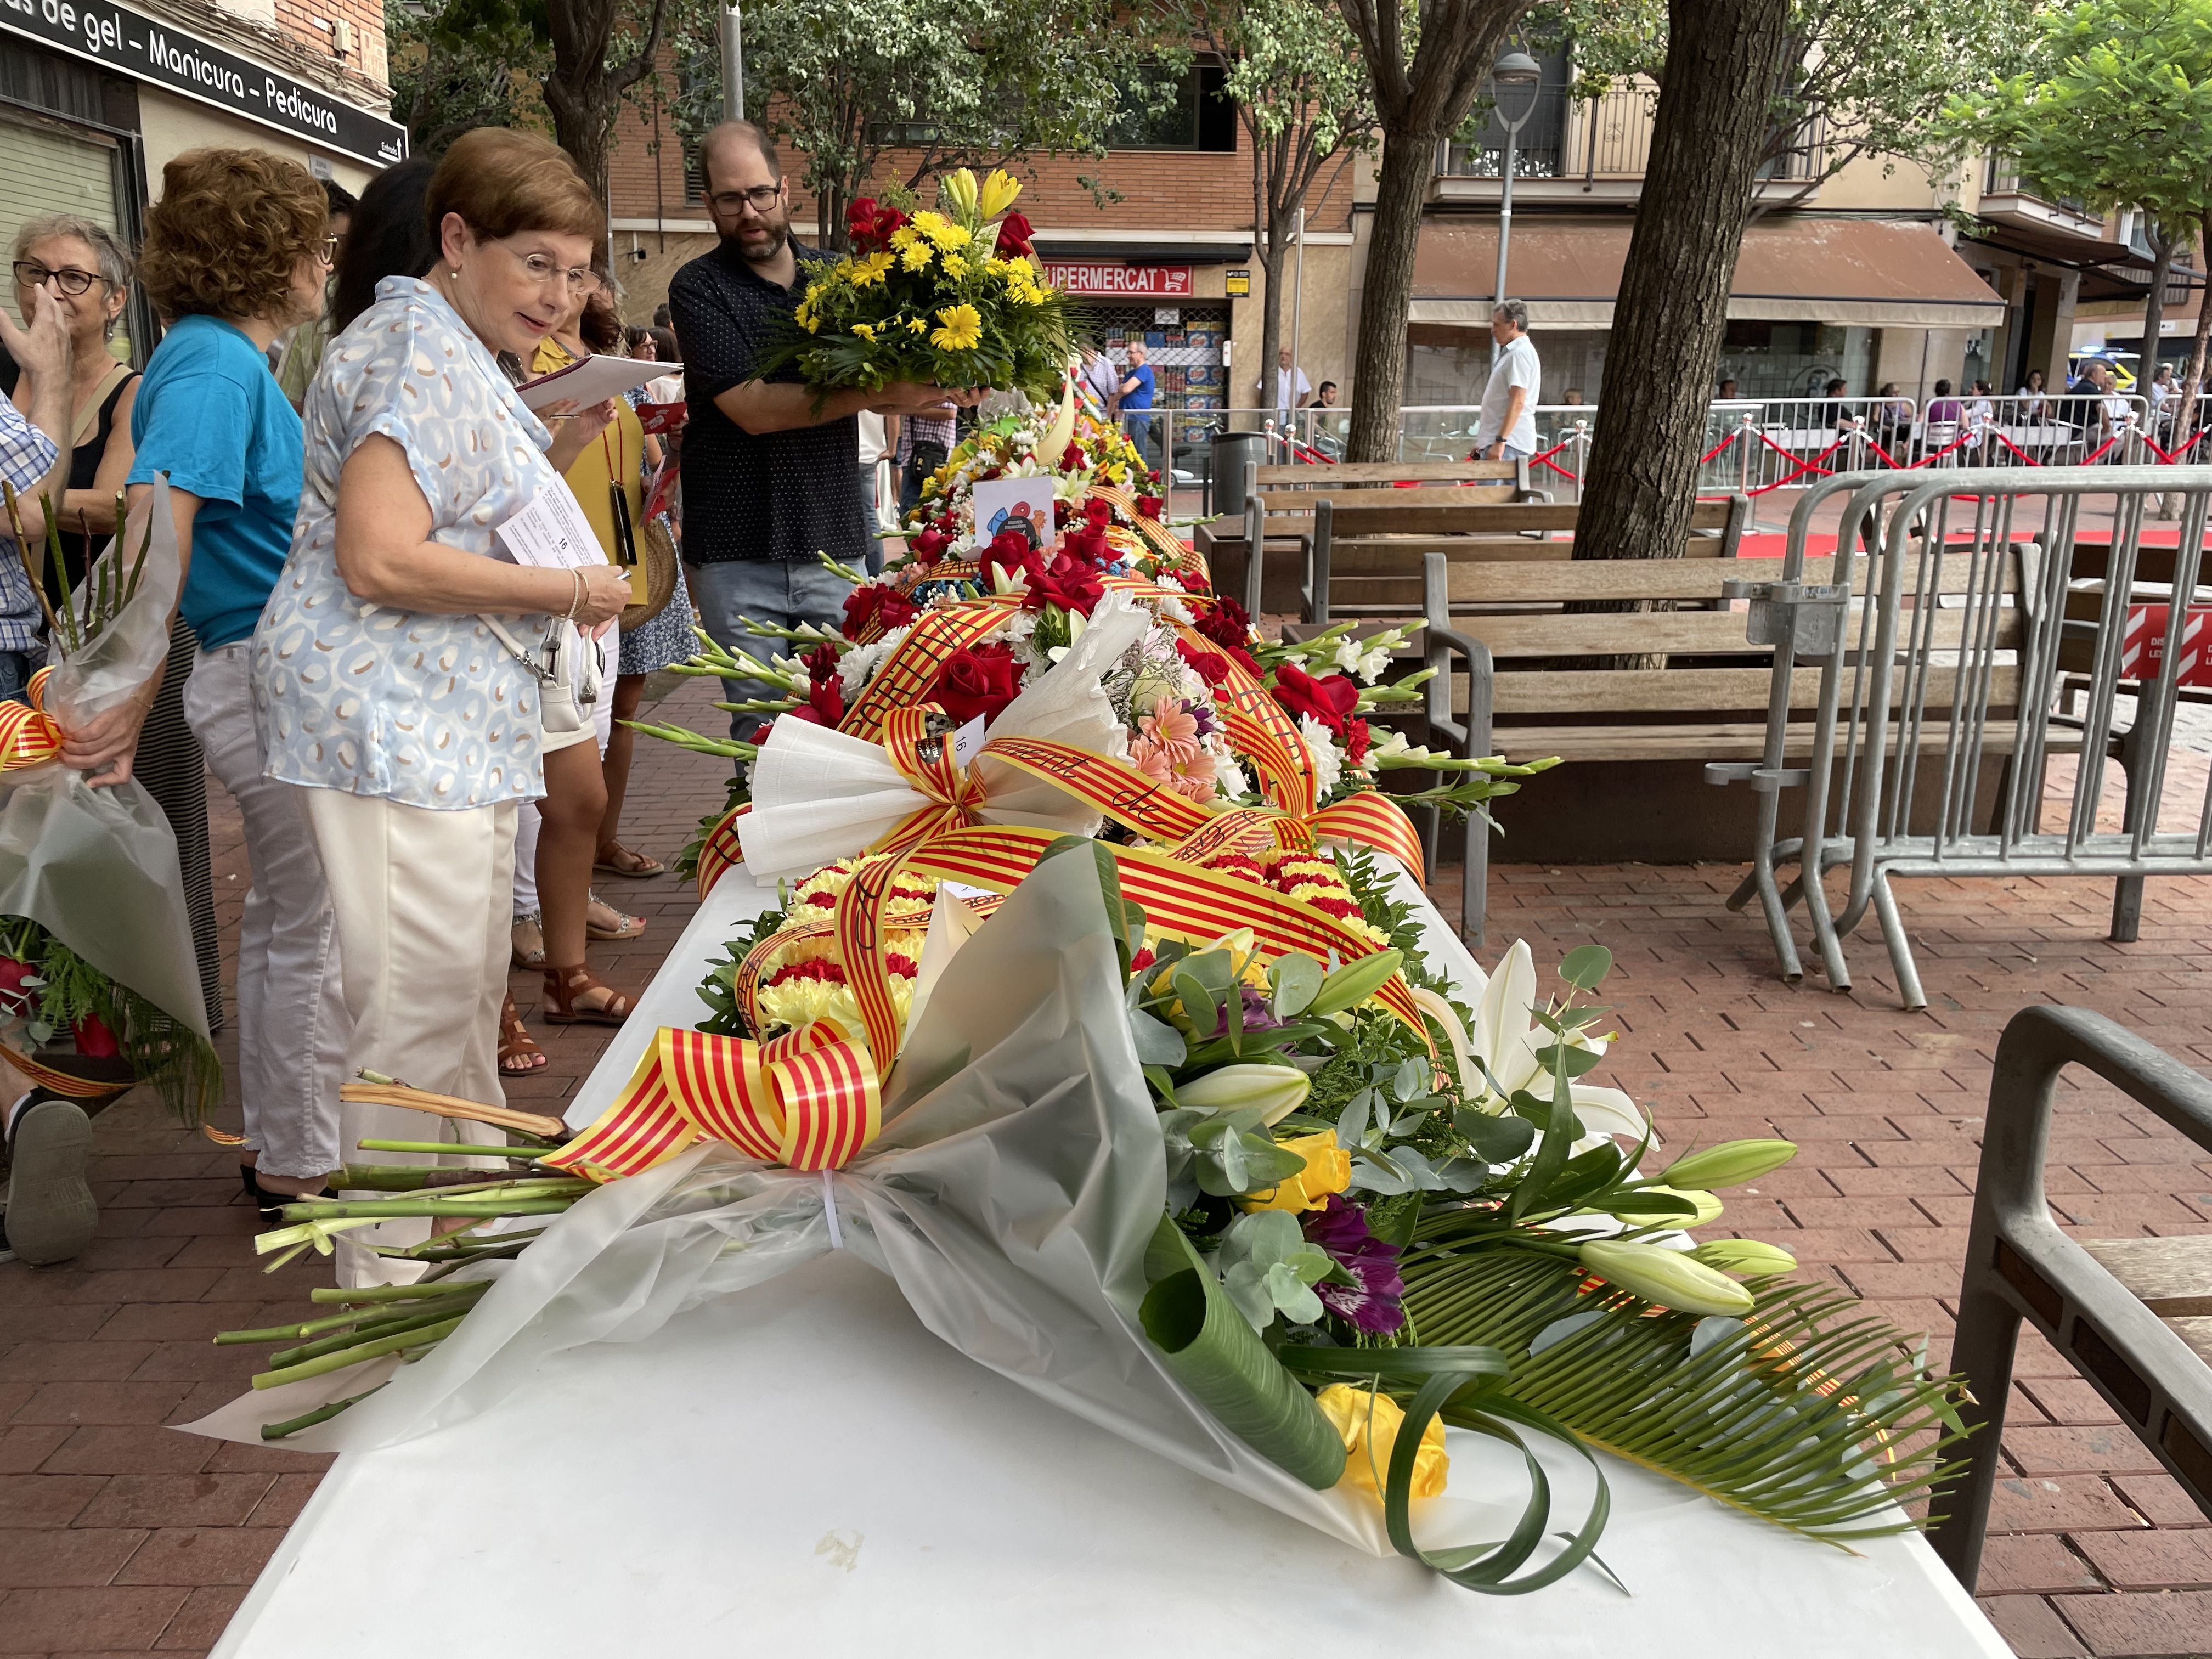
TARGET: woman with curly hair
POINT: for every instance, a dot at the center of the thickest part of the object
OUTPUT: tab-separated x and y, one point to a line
236	251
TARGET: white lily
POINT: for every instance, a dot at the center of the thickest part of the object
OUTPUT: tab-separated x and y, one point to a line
1506	1037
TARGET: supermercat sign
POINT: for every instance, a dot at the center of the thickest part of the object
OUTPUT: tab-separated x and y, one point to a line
165	56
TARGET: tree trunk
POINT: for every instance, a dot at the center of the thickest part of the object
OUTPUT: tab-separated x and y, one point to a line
2162	250
1409	156
2184	423
584	92
1706	140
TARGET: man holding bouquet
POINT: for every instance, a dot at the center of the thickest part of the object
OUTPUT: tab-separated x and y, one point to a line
767	462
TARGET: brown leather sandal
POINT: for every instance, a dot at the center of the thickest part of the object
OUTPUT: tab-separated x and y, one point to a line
564	985
519	1055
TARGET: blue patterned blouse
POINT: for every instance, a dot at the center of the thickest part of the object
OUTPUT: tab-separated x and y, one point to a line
422	709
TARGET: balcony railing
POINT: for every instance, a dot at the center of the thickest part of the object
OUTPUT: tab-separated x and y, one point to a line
2005	178
1607	138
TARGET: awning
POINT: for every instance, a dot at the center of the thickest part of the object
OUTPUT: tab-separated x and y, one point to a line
1839	272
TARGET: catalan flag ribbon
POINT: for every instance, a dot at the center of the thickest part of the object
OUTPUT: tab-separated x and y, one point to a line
810	1100
29	735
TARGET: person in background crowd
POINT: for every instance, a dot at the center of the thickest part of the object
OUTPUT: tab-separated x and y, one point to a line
43	1138
1136	391
1892	419
767	464
1291	386
2035	406
411	765
1572	397
556	914
1944	408
922	445
1326	397
386	235
1981	411
1727	390
661	318
1328	431
303	349
669	388
86	270
876	439
238	249
1102	383
1505	425
2164	402
2113	410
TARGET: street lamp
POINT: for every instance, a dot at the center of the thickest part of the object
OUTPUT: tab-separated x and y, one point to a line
1514	80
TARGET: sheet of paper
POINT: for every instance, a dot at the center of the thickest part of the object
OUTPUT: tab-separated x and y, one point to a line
1023	505
594	380
552	533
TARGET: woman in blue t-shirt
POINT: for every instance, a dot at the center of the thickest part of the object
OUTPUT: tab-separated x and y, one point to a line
237	251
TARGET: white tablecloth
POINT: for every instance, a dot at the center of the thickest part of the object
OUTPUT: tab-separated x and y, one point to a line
804	1470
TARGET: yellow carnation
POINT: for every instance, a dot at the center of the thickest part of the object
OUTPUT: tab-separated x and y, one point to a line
962	329
1367	1423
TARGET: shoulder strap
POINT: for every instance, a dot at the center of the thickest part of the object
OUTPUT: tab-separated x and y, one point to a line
96	406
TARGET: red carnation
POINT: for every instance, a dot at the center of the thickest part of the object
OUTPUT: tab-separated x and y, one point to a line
871	223
1072	459
1069	583
94	1040
1226	625
1356	739
873	601
1150	506
1330	700
1088	545
1014	232
977	682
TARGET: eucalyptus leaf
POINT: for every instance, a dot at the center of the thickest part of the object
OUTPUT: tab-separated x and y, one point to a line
1294	979
1497	1139
1578	1061
1586	966
1158	1043
1411	1080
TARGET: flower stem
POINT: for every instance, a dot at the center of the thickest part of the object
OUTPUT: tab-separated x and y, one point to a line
324	1364
292	1426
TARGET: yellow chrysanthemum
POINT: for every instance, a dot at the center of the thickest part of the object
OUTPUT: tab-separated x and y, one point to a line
870	270
941	230
915	256
956	265
905	237
963	329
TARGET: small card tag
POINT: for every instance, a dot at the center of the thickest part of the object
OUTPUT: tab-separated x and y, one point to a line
968	742
552	533
961	890
1021	505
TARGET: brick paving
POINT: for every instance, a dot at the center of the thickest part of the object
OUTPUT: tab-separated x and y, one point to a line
119	1535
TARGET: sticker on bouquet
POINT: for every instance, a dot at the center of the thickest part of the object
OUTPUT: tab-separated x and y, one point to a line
1021	505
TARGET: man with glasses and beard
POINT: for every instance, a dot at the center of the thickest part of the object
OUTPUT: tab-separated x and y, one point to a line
767	464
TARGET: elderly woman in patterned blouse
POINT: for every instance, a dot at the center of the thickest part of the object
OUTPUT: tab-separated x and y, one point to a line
402	663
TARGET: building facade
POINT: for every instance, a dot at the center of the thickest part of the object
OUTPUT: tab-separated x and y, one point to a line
1167	257
95	98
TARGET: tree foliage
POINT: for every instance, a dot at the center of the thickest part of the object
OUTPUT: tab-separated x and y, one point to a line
1866	77
894	91
467	63
1303	94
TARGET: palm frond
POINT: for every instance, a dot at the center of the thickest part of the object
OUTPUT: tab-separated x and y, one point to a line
1804	1414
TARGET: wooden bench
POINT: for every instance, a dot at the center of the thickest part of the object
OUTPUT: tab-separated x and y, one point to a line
1369	560
1498	632
1280	502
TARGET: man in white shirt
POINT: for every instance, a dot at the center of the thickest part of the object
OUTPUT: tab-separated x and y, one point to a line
1505	429
1292	387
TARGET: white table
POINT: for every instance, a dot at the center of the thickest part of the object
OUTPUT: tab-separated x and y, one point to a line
803	1468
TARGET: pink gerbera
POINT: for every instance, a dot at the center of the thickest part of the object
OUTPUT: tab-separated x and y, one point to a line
1152	760
1171	727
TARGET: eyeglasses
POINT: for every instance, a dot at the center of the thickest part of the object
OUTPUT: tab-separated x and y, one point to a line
760	199
31	274
577	279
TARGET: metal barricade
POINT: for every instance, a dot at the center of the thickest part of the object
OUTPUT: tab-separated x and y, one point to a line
1941	636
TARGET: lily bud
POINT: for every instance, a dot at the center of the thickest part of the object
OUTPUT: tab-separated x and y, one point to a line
1353	983
1730	1163
1275	1090
960	185
1709	1209
1668	1277
1746	1255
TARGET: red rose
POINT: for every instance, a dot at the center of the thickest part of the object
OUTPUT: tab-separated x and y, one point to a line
94	1040
1330	700
1356	739
928	545
1211	666
977	682
874	602
1150	506
1069	583
1086	544
15	997
1012	551
1014	232
1072	459
1226	623
871	223
1098	513
825	691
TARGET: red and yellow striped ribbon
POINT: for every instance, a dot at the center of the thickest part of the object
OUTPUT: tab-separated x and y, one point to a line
927	764
810	1100
720	853
910	673
28	735
64	1084
1370	818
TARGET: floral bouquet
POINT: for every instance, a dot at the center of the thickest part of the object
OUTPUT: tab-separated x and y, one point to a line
949	299
1205	1148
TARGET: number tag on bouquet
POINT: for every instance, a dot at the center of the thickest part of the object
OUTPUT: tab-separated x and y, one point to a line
552	533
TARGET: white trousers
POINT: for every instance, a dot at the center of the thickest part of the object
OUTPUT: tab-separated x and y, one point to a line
421	899
292	1019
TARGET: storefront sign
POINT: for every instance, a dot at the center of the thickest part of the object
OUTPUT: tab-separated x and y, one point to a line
162	55
1106	276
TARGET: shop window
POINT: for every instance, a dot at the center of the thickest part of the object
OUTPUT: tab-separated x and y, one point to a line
46	167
